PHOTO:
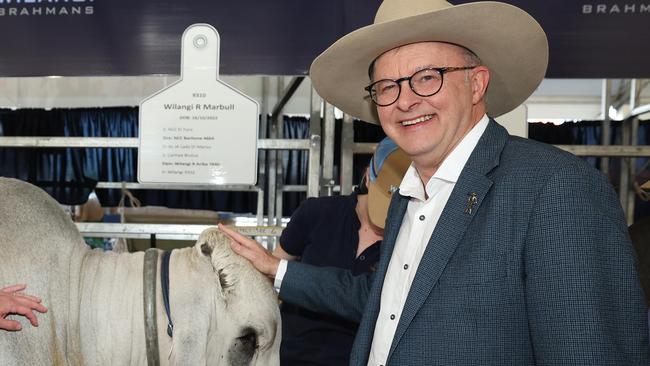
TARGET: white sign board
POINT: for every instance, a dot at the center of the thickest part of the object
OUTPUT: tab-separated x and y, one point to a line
198	130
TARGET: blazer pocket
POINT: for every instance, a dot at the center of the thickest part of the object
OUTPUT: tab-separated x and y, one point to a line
474	272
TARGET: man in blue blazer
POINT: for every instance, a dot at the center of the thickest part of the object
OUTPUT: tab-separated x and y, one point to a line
497	250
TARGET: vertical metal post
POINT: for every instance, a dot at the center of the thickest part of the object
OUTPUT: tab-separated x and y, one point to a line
262	153
328	149
347	140
279	173
260	206
313	170
278	122
634	139
606	135
625	167
273	157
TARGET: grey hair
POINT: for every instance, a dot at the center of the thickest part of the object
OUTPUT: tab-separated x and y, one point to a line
471	59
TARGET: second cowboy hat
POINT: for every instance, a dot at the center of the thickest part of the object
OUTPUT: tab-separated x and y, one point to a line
386	170
507	39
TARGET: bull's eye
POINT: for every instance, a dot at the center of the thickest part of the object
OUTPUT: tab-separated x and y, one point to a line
248	340
243	348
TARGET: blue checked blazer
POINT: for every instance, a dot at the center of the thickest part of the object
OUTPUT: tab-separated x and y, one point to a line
541	272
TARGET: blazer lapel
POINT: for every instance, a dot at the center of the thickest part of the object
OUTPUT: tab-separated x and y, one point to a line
456	217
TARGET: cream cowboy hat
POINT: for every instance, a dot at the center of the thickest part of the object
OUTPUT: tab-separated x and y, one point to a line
507	39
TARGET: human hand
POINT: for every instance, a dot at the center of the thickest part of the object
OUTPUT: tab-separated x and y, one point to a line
12	301
250	249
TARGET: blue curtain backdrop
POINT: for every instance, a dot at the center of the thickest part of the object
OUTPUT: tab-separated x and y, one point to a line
294	163
69	174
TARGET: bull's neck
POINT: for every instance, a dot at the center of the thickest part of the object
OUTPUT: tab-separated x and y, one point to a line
112	307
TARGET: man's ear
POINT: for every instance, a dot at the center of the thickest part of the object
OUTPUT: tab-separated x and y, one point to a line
479	81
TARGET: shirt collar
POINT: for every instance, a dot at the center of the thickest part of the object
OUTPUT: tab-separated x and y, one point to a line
450	169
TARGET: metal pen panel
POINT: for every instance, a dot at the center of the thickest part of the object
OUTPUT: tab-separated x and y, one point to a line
347	140
328	150
606	99
313	169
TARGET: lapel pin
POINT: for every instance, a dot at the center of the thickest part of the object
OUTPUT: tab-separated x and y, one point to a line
472	199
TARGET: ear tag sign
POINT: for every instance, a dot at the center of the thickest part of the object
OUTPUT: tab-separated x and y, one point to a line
198	130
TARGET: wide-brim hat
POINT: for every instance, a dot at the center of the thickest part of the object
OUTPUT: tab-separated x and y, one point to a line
387	168
507	39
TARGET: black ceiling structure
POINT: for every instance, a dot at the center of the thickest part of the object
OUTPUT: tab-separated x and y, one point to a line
588	39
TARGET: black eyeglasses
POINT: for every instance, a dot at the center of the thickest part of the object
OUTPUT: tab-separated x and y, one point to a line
425	83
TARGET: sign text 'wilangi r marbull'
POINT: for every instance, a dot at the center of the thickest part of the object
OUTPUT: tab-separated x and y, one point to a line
223	311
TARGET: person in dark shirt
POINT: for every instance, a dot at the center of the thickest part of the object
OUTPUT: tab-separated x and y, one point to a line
343	232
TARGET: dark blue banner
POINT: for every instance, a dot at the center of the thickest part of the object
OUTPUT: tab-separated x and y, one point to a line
588	39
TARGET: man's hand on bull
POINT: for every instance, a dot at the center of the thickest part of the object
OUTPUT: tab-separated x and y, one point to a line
250	249
13	301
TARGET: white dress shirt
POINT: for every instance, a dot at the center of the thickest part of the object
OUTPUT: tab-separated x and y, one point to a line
420	220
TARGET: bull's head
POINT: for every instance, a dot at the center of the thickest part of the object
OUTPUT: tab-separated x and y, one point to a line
235	308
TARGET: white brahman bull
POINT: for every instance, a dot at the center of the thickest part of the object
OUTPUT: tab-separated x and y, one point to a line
224	312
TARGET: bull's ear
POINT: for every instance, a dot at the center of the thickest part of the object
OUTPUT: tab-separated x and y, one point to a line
206	243
214	245
205	248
